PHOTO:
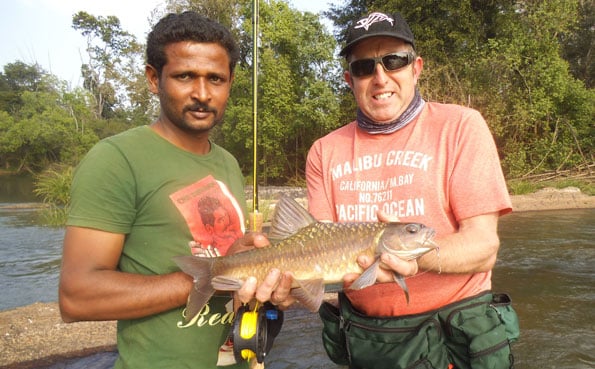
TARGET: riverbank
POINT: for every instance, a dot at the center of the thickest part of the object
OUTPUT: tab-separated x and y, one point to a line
34	336
553	199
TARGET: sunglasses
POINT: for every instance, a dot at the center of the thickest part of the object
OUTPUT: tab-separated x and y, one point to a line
390	62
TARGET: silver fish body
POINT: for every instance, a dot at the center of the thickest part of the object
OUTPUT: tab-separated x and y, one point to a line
316	254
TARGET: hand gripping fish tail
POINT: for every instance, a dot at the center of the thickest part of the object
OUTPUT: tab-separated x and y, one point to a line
316	253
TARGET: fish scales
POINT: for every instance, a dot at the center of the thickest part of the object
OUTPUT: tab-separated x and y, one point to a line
320	251
315	253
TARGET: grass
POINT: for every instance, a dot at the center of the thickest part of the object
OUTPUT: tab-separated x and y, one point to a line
265	207
521	187
53	186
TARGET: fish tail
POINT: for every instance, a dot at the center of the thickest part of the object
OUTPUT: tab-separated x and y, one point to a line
200	269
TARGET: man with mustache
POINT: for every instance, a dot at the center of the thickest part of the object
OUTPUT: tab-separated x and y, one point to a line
124	227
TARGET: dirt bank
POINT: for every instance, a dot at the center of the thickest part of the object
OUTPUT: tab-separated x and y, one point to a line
34	336
553	199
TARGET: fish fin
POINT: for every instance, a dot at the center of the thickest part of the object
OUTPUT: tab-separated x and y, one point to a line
200	269
223	283
367	278
401	281
289	217
333	287
309	293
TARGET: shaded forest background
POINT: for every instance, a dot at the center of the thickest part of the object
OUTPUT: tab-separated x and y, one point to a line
527	66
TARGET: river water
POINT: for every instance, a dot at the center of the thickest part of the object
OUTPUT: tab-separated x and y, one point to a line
546	264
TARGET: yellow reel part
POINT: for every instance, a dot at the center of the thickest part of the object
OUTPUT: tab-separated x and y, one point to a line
248	328
254	331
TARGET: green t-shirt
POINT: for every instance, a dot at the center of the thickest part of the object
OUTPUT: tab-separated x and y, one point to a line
123	185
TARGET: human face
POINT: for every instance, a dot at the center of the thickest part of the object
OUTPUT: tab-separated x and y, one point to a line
193	87
383	96
221	220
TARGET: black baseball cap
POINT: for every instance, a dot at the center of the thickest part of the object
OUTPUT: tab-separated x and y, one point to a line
378	24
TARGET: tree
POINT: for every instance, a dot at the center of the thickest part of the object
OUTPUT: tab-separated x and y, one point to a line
114	71
542	115
579	44
47	125
296	77
225	12
17	78
297	103
504	58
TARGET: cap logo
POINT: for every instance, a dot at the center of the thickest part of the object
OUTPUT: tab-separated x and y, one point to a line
373	18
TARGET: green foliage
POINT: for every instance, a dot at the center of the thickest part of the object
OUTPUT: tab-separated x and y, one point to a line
43	132
586	187
578	43
50	125
114	74
53	187
296	99
525	65
17	78
540	108
518	187
523	187
505	59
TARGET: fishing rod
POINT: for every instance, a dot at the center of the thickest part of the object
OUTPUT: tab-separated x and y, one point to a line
256	218
255	330
255	11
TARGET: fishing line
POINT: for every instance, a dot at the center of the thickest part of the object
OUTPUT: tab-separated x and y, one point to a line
438	263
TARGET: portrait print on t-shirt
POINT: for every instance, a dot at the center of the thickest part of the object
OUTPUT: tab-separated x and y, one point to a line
213	215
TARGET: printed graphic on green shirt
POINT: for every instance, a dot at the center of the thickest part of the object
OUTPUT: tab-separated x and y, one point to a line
213	215
216	221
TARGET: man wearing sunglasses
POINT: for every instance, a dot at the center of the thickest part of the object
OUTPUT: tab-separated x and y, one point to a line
416	161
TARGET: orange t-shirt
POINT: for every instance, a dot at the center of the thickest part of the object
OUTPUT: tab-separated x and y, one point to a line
440	168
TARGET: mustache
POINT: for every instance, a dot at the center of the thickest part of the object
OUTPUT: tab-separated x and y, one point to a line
199	106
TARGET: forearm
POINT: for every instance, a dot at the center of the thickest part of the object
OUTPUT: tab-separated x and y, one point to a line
473	249
455	255
111	295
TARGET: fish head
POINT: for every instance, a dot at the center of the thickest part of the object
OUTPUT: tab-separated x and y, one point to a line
406	240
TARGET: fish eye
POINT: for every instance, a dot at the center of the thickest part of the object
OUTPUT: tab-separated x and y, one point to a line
412	228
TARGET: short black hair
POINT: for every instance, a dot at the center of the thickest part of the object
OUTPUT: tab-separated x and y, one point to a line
188	26
206	208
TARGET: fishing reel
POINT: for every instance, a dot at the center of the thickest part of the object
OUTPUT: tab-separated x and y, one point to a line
254	331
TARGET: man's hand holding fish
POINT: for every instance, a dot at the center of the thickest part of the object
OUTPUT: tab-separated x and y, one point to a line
305	255
274	288
276	285
389	264
248	242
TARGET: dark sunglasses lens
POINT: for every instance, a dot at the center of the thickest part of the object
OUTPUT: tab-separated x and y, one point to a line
362	67
365	67
394	61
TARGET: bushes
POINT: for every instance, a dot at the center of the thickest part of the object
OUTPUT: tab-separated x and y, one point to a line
53	187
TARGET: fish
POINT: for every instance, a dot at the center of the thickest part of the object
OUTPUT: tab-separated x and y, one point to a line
318	254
